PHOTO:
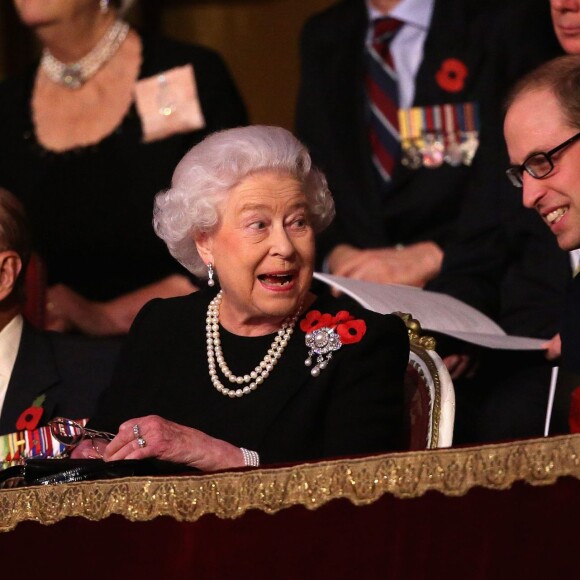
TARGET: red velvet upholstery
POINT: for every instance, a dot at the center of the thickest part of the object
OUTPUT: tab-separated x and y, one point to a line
35	292
525	532
417	404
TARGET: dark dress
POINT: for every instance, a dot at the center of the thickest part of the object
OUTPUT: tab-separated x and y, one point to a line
91	207
354	406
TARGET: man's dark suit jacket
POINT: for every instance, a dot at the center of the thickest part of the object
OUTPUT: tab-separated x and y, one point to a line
70	370
569	374
506	262
570	334
331	118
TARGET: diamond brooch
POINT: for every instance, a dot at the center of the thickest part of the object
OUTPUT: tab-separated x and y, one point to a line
321	342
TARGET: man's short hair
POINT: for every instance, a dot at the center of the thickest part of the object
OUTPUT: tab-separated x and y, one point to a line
14	230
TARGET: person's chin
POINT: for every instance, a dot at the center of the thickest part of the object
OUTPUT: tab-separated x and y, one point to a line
567	243
570	42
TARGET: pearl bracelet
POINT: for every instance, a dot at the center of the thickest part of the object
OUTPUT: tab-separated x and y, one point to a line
251	458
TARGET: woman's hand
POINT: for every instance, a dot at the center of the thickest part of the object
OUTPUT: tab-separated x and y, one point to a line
170	441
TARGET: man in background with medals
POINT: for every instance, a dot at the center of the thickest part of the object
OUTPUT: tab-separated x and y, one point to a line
393	98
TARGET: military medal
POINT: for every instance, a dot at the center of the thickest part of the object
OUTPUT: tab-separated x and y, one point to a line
469	147
470	131
413	158
433	151
438	134
453	152
411	153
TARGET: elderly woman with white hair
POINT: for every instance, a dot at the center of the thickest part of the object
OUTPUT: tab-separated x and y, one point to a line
255	368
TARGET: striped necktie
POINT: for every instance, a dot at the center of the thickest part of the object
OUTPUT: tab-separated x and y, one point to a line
383	95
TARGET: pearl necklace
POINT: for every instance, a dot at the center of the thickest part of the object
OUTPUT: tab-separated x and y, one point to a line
76	74
215	354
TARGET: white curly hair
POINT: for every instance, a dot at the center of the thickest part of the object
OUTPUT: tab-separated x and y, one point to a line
202	179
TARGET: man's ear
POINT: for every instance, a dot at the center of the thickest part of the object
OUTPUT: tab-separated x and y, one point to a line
10	266
204	244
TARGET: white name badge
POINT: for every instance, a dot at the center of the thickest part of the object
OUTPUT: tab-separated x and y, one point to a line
168	103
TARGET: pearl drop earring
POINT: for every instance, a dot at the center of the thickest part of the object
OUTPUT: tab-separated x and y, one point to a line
210	280
104	6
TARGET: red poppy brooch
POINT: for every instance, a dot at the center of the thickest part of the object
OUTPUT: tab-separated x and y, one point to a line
30	417
451	75
326	333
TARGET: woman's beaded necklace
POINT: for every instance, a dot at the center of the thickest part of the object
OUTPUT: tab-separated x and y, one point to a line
215	356
75	75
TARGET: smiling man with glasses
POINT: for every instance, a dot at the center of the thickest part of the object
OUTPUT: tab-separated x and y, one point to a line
541	129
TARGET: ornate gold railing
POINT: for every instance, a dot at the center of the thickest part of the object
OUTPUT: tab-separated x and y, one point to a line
452	472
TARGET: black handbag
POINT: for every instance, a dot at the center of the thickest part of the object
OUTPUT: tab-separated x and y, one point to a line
38	471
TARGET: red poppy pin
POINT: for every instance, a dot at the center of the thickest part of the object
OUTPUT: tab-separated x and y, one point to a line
326	333
451	75
30	417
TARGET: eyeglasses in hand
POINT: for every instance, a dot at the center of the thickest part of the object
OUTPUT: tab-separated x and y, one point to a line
70	433
538	165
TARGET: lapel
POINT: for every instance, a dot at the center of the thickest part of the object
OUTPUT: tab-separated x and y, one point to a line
35	372
454	33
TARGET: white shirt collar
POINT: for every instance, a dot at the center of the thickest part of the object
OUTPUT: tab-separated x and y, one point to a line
9	344
415	12
575	260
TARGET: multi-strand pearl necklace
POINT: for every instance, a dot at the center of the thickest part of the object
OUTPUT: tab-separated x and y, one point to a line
76	74
215	356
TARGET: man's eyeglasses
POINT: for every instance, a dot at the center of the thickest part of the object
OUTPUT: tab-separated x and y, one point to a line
70	433
538	165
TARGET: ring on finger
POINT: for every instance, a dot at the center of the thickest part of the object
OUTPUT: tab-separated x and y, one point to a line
136	431
141	442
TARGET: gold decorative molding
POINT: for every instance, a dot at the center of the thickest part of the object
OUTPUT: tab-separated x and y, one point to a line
452	472
415	331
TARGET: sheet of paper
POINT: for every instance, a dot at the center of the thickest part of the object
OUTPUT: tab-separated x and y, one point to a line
435	311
